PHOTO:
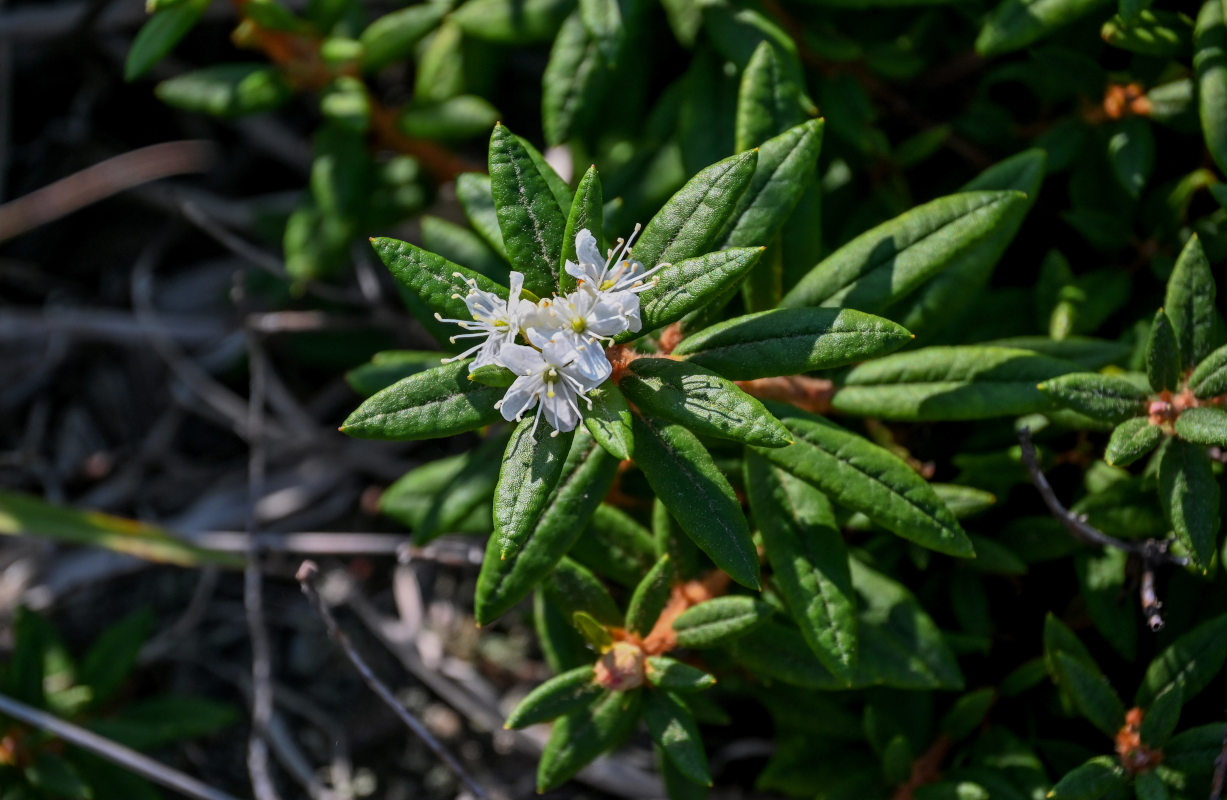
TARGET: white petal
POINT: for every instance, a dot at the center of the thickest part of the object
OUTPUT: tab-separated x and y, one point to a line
592	363
489	352
560	410
586	249
521	396
517	286
608	316
588	273
521	360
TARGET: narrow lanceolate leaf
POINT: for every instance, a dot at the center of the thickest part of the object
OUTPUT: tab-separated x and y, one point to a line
531	221
718	620
1014	24
503	582
227	90
1190	303
438	282
690	285
575	76
1131	152
392	37
1149	786
688	223
1162	715
1131	440
586	214
809	561
1191	662
1163	363
572	587
768	101
1190	498
560	695
1100	396
885	264
438	402
1152	32
615	546
477	199
972	382
702	401
670	674
609	421
1091	693
791	340
867	478
604	21
1206	425
581	736
673	728
1193	752
1209	379
686	480
1210	64
531	468
650	597
519	22
1090	781
159	35
786	165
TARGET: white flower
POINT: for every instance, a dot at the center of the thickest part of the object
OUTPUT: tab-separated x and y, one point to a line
494	318
617	280
580	320
549	379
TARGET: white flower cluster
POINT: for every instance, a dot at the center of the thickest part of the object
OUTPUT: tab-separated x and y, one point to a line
564	357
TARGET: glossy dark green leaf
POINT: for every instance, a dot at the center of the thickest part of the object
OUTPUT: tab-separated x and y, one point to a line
609	421
887	263
451	495
586	213
615	546
1090	781
1092	694
702	401
1014	24
392	37
461	245
1086	352
1131	151
777	652
529	216
1163	362
112	657
1058	638
561	645
809	562
461	117
970	382
1209	379
698	496
1210	66
532	466
227	90
650	597
560	695
1192	662
769	100
573	587
674	676
439	283
1189	495
1190	300
1102	586
387	367
967	713
1104	397
1193	752
1206	425
1153	32
867	478
791	340
689	222
516	22
1149	786
477	199
1161	716
161	720
574	79
430	404
581	736
689	285
674	730
587	475
159	35
668	538
718	620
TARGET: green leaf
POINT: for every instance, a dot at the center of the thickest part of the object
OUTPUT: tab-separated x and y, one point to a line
572	587
1190	301
1090	781
718	620
867	478
1058	638
532	466
162	720
967	713
1103	397
573	82
688	223
503	582
159	35
1192	662
560	695
461	245
1101	583
109	782
516	22
1163	364
1209	379
438	402
460	117
21	515
605	23
809	561
1189	495
561	645
948	383
768	101
392	37
528	213
493	375
686	480
668	539
111	658
1193	752
1210	66
887	263
616	546
587	211
1206	425
1149	786
1087	353
1166	34
439	283
56	777
609	421
596	634
581	736
650	597
449	495
690	285
227	90
1092	694
1131	151
673	728
702	401
674	676
1161	717
387	367
777	652
477	199
1014	24
791	340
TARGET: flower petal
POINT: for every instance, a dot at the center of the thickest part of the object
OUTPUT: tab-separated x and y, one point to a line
521	396
521	360
587	251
